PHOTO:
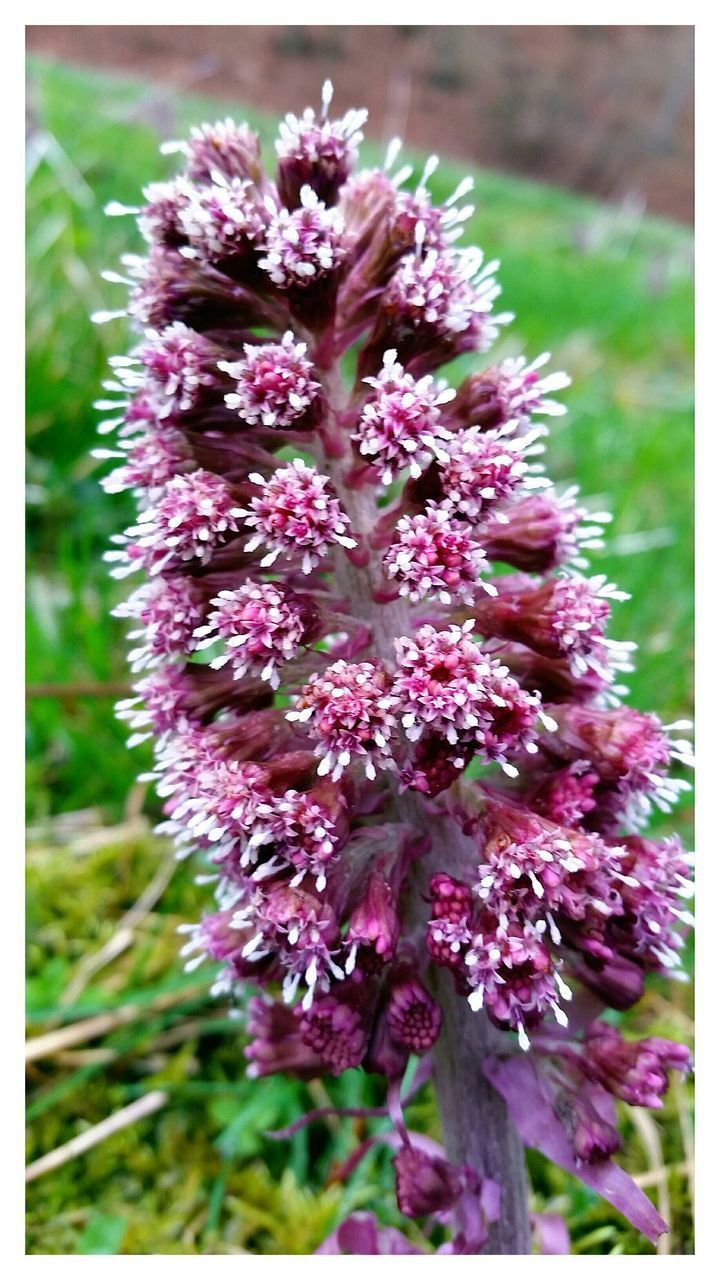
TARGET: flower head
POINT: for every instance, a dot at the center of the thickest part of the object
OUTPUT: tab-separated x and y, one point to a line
296	513
481	469
319	153
178	364
224	147
306	834
261	628
274	384
195	513
563	617
637	1072
159	221
414	1019
424	1183
349	709
400	425
305	245
222	219
149	462
443	299
337	1030
543	531
374	925
168	609
447	685
434	554
511	392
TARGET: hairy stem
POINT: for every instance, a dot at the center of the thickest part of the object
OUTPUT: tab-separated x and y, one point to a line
476	1125
477	1128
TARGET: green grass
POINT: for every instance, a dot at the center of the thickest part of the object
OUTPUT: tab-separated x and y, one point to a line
612	298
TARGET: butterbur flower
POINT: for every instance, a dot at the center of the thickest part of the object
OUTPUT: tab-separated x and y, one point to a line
274	386
195	514
261	628
349	708
337	1029
178	364
544	531
223	147
636	1072
319	153
564	617
303	246
307	830
480	469
400	425
296	514
414	1019
449	932
436	555
444	300
222	220
149	462
371	646
509	392
592	1137
374	926
169	609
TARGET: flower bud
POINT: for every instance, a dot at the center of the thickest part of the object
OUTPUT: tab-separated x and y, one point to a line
373	926
592	1138
336	1028
319	154
636	1072
425	1184
414	1019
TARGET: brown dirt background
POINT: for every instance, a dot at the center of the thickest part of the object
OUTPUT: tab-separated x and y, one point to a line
603	110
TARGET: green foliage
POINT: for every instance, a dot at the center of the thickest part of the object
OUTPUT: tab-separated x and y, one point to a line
611	296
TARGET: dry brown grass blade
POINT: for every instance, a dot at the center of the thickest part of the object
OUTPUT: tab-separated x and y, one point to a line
124	935
652	1178
687	1135
649	1136
101	1024
137	1110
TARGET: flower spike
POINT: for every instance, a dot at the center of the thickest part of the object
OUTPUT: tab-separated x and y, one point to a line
371	647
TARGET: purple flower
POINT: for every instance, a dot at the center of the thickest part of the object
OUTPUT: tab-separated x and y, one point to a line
261	627
319	154
274	386
436	555
392	755
401	424
479	469
350	710
636	1072
303	246
296	513
510	392
374	925
592	1137
414	1019
424	1184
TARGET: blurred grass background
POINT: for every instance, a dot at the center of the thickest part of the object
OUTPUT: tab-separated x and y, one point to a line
609	292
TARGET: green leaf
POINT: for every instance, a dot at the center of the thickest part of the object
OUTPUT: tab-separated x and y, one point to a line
103	1233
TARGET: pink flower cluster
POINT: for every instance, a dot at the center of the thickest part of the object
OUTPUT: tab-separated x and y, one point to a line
355	590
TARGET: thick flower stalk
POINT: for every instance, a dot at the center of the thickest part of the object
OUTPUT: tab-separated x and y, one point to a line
357	583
